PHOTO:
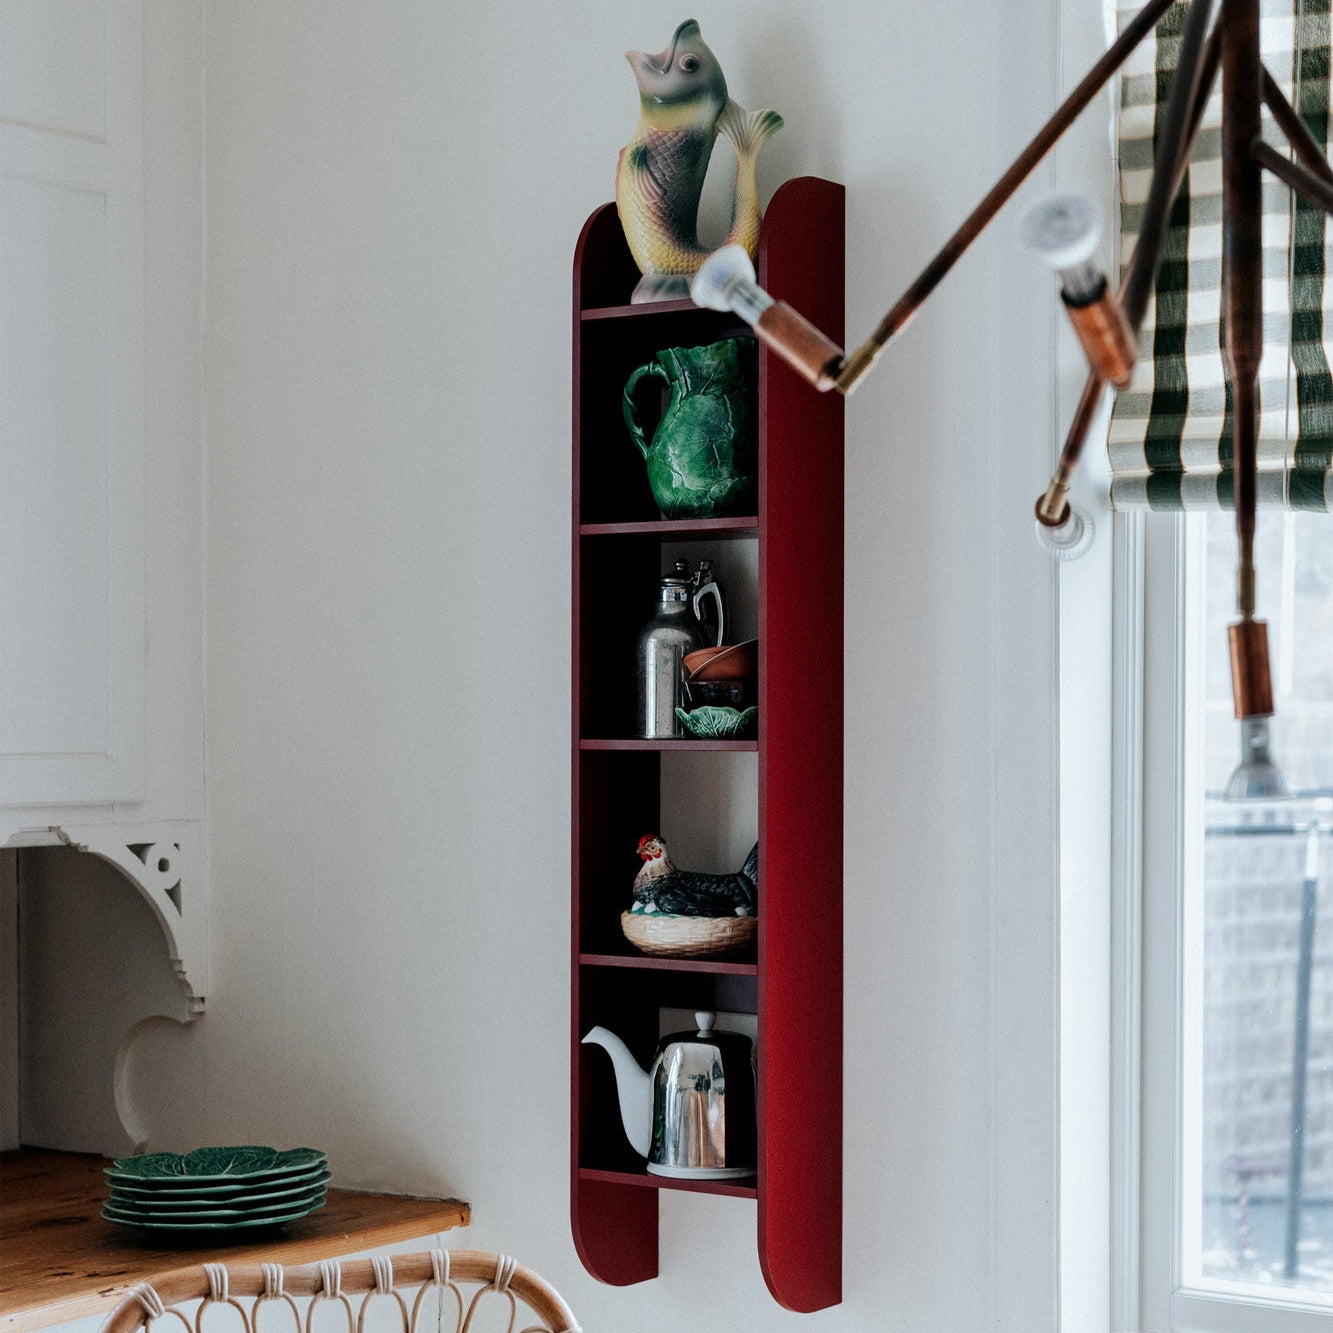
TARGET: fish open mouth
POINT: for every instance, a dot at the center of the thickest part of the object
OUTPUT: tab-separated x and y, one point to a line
660	63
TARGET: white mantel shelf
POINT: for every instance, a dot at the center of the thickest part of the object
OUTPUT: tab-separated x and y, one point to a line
60	1261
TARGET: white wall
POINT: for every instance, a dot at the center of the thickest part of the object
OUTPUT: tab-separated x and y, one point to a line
394	192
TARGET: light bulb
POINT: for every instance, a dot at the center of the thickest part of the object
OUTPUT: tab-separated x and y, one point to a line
1257	777
1064	229
726	281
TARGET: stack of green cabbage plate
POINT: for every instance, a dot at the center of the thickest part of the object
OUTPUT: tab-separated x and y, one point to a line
216	1189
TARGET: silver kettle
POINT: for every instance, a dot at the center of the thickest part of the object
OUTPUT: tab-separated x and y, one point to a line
692	1113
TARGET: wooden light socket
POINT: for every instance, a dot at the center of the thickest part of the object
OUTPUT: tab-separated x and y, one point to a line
1251	680
800	344
1105	336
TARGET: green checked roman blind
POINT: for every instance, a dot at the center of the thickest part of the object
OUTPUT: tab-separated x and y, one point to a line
1170	433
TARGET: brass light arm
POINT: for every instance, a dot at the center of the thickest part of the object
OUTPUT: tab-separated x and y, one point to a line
1180	120
1242	286
1242	259
859	362
1314	189
1183	109
825	365
1251	677
1053	504
1293	127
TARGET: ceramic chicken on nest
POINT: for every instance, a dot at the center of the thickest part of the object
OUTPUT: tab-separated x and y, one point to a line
660	888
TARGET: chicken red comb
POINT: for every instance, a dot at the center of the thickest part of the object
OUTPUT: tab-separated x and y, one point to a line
647	838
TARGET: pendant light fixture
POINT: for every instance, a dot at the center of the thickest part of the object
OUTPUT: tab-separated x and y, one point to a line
1216	35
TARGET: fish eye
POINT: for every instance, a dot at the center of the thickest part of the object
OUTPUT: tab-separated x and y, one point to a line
689	64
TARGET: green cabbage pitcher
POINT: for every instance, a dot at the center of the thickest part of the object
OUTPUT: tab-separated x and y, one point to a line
702	462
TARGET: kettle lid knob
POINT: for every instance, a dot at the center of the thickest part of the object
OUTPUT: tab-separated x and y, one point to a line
705	1018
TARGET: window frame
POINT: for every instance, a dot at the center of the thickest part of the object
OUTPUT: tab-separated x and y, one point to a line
1158	840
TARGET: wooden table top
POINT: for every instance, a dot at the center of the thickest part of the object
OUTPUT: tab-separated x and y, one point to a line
59	1260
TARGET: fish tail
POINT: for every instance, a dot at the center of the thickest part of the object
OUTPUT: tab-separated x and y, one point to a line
748	131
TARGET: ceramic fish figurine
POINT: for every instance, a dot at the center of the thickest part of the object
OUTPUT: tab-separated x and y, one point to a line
683	107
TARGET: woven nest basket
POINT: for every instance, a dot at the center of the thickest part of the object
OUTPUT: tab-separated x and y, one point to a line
688	936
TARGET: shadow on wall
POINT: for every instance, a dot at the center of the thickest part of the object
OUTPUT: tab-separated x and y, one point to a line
92	966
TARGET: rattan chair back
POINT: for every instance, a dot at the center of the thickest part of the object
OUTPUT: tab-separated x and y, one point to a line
434	1291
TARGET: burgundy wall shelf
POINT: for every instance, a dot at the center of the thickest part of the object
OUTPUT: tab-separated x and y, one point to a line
794	981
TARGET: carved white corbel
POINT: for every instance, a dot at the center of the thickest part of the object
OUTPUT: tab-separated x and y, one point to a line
165	863
81	1095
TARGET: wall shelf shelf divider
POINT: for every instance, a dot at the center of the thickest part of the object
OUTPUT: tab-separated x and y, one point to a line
713	966
664	529
661	746
638	312
642	1180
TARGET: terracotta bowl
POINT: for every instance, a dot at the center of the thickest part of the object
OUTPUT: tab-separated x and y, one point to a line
736	661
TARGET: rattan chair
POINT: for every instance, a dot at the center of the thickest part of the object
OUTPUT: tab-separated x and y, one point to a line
419	1293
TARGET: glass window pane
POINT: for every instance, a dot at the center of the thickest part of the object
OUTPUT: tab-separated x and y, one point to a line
1259	920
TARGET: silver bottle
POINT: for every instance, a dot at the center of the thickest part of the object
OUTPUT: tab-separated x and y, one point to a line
675	630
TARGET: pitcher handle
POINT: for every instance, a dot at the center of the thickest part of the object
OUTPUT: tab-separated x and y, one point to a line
721	610
635	430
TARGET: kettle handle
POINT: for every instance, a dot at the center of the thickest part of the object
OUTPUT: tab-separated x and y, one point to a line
700	594
627	403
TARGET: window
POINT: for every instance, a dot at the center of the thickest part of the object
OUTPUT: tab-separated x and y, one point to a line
1224	1051
1235	1147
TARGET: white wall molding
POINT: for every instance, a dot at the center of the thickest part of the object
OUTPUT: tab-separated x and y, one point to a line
1024	708
1127	919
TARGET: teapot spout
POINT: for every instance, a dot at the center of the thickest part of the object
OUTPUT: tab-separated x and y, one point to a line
634	1087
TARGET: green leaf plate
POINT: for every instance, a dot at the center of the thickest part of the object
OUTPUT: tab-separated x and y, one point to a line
123	1212
247	1224
224	1193
720	724
131	1199
215	1164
